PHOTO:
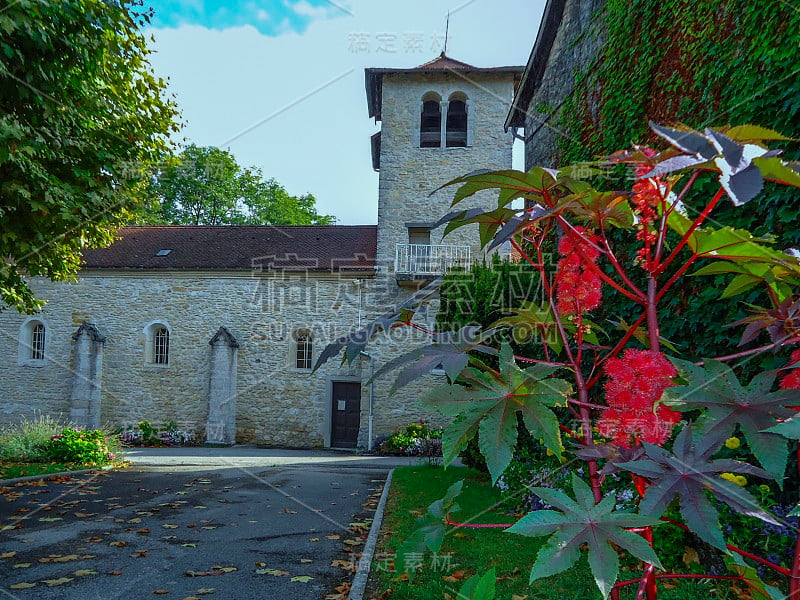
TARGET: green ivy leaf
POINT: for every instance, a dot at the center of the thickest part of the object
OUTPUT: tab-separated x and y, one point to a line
479	587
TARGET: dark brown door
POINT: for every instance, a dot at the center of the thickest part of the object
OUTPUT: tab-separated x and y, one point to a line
346	413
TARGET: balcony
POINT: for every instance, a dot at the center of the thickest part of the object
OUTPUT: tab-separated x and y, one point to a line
424	262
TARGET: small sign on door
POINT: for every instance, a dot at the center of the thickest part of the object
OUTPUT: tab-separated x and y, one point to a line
341	404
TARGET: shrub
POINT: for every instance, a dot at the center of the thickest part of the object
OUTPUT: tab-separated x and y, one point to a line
27	441
144	434
83	447
415	439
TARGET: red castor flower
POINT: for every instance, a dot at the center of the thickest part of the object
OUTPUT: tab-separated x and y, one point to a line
791	381
635	383
578	287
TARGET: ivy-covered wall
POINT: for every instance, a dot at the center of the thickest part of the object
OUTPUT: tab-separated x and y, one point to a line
616	64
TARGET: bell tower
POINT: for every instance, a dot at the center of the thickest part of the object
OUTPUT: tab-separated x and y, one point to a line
440	120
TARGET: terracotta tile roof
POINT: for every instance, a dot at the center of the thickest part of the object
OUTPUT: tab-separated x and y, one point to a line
445	63
239	247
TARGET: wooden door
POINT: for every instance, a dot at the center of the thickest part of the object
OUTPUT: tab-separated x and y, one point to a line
345	413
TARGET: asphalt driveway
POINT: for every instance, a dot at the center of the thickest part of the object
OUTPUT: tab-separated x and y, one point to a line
233	523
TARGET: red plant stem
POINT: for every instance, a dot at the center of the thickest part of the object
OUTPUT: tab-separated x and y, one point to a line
616	350
686	236
639	299
652	314
586	404
628	582
745	553
676	276
569	431
752	351
794	579
480	525
618	267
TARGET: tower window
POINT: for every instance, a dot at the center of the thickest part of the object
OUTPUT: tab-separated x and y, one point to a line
430	133
457	124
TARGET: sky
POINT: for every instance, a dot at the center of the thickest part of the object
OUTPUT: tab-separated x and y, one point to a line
280	83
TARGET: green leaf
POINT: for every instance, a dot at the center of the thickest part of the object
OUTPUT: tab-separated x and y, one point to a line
428	532
491	400
580	523
749	575
479	587
754	133
727	404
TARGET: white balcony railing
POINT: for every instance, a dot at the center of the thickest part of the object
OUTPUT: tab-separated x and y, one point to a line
426	259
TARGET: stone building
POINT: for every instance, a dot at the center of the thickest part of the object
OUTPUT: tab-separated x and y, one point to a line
218	328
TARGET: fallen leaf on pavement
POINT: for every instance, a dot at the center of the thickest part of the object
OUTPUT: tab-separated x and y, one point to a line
273	572
117	572
22	586
119	544
160	592
139	554
7	554
21	566
189	545
170	526
302	578
204	591
314	540
59	581
306	560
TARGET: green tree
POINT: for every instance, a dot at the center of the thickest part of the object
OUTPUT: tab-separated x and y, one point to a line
206	186
81	117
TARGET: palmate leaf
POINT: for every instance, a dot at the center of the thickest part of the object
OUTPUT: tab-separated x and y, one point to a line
715	388
602	208
511	183
739	154
533	321
688	472
781	322
450	350
581	522
489	401
428	533
354	343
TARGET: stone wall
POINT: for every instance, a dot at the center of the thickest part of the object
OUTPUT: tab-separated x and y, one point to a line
276	404
575	47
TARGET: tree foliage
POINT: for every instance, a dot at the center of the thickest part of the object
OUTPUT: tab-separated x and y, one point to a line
81	117
206	186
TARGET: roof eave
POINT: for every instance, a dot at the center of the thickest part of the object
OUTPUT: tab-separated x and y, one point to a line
537	62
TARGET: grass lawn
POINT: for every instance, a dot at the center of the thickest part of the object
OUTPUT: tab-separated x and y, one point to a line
11	470
466	552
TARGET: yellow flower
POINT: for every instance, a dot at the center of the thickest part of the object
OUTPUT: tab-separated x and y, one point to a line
733	443
728	477
740	480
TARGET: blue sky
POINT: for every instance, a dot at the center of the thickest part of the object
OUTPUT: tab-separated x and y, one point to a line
269	17
280	83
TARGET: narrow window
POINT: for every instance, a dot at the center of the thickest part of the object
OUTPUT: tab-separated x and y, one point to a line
37	342
161	346
303	350
456	124
430	133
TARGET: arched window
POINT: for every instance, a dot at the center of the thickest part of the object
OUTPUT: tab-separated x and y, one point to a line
303	349
156	350
37	342
161	346
430	131
32	343
456	128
